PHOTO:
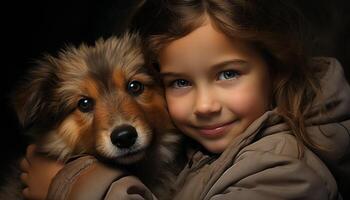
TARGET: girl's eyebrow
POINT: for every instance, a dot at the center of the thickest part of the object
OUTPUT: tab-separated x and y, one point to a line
235	62
215	67
172	74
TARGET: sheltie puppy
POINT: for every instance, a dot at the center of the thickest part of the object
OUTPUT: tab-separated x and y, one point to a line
102	100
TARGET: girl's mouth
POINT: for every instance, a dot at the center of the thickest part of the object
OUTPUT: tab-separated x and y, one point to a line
216	130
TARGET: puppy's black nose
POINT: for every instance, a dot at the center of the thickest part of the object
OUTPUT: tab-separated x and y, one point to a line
124	136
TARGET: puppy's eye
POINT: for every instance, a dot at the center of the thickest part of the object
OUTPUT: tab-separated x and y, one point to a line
86	104
135	88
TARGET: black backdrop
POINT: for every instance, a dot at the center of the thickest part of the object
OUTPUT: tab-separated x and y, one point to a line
32	29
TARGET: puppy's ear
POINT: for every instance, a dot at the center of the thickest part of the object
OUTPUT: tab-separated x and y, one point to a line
32	98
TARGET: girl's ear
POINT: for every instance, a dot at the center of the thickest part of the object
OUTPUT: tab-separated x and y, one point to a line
31	99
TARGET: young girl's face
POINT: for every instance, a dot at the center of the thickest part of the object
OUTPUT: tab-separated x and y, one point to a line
215	86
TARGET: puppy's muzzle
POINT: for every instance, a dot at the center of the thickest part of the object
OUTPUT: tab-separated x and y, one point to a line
124	136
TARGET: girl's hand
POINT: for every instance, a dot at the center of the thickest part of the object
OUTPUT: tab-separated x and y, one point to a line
37	173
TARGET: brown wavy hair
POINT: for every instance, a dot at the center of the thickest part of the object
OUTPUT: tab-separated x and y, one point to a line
274	28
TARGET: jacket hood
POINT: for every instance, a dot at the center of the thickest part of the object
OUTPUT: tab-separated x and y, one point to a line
333	105
328	123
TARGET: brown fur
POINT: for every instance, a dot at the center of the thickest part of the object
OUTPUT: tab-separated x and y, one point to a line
47	105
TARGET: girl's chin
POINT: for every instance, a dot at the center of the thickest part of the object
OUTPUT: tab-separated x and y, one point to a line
216	147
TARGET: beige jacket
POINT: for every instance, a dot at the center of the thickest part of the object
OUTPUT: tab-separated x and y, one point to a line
261	163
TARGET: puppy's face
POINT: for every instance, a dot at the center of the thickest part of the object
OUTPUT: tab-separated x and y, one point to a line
100	100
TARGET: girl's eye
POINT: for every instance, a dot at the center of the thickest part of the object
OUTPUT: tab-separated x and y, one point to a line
180	83
135	88
227	75
86	104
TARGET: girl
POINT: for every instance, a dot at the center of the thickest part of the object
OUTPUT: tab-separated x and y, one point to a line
265	121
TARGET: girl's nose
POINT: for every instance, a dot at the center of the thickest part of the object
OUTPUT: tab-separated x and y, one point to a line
206	104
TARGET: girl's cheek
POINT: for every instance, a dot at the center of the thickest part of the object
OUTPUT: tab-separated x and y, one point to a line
178	109
249	104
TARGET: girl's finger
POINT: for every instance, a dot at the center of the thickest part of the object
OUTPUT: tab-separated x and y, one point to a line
24	164
30	151
26	193
24	178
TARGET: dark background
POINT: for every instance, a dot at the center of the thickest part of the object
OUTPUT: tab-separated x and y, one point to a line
30	30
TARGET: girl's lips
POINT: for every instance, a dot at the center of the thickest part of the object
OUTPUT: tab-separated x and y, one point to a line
215	130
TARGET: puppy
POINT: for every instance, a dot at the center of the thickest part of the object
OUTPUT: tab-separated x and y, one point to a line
102	100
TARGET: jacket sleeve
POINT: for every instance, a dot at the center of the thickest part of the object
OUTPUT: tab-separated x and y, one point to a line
86	178
264	175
